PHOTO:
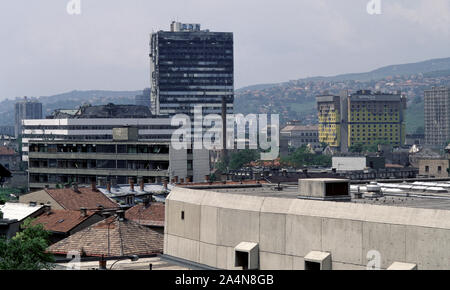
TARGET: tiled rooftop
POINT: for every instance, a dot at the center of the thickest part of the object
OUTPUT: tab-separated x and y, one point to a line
85	197
62	220
148	215
112	237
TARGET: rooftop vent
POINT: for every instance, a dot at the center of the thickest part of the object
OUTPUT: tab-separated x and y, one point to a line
328	189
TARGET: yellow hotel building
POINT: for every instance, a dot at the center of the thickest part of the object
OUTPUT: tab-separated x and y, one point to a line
361	118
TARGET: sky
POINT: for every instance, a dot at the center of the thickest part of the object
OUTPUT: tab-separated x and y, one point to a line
45	51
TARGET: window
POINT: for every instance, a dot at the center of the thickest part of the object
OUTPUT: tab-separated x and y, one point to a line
182	215
427	168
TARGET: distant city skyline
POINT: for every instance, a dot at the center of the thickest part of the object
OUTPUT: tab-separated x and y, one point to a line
46	51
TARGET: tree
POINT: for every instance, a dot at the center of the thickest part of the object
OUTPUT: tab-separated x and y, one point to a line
240	158
303	157
237	160
356	148
26	251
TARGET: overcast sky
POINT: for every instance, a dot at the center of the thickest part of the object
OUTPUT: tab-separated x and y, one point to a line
45	51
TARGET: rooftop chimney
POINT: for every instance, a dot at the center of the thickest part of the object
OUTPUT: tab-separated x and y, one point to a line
176	179
83	212
108	186
147	201
120	215
93	186
131	184
142	184
75	187
165	184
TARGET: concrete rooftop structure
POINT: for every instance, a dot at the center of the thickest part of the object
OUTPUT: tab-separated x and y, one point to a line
206	226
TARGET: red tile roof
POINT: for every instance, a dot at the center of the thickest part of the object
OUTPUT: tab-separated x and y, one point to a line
112	238
86	197
61	221
147	215
6	151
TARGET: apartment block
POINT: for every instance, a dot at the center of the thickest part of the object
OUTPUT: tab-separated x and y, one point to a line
298	135
364	118
437	116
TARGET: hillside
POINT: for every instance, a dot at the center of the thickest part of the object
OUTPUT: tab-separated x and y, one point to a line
70	100
295	100
436	67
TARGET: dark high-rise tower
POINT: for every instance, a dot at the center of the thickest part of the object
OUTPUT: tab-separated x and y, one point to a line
189	67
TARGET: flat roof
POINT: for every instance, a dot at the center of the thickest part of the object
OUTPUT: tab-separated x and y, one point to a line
292	192
104	142
127	264
18	211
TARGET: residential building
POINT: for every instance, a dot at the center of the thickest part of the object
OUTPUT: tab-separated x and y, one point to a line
10	158
64	223
26	109
149	214
189	67
70	198
12	215
115	236
364	118
131	194
298	136
9	141
8	228
437	116
332	110
434	167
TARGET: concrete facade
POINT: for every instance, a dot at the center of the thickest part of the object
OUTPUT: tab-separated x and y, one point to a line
437	112
205	227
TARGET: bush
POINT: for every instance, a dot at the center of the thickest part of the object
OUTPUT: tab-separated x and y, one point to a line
26	251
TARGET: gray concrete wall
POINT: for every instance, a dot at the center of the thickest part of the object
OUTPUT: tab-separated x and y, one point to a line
201	166
288	229
349	163
178	163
